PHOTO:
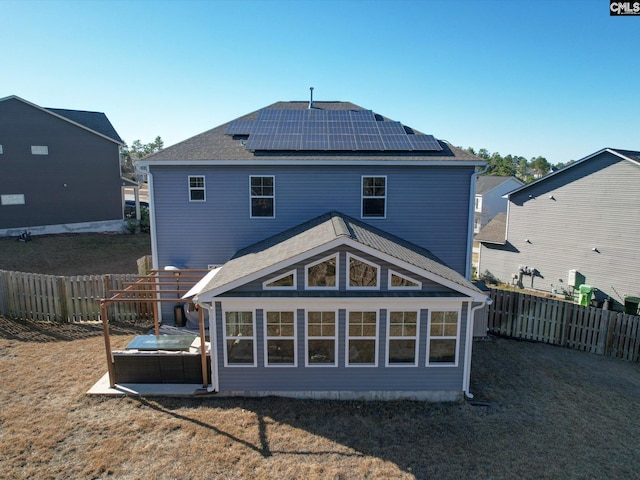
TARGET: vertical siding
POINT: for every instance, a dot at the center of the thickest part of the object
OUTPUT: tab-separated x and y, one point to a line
594	204
425	205
88	164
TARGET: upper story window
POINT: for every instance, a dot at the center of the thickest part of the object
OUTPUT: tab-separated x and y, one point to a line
478	206
39	150
323	274
374	196
363	274
443	338
476	225
286	281
239	334
1	152
398	281
196	189
262	190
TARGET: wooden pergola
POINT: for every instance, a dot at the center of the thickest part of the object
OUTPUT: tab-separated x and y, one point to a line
157	287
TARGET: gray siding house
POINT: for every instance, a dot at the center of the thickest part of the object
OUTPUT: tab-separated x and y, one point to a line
60	170
578	225
338	242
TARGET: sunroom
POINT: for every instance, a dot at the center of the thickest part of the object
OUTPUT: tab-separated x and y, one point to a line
335	308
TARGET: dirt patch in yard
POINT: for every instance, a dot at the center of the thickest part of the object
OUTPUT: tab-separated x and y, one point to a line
74	254
551	413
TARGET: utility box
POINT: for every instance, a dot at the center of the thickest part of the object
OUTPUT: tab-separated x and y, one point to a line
585	292
631	305
575	278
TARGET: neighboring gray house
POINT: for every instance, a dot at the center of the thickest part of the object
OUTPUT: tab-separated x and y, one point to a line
489	201
339	242
60	170
577	225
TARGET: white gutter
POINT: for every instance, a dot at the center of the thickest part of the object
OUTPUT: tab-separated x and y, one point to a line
213	350
468	348
297	161
470	223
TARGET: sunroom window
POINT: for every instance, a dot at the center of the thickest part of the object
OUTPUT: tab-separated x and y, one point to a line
280	338
286	281
403	335
402	282
321	338
443	337
239	338
363	274
362	338
323	274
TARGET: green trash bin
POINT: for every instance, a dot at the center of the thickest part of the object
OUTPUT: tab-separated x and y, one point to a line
631	305
584	295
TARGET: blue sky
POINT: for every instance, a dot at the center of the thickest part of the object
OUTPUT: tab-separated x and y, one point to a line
556	78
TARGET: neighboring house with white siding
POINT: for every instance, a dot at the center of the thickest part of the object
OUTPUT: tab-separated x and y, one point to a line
339	243
583	219
490	200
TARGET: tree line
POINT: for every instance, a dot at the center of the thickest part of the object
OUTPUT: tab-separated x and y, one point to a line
525	169
137	150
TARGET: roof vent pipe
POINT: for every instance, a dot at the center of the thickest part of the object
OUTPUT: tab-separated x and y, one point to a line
311	99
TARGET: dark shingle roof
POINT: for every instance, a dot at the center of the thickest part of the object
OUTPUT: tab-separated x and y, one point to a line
495	231
486	183
96	121
215	145
319	232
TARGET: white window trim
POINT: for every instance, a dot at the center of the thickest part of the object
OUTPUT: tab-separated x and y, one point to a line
265	285
192	189
457	337
306	273
251	196
409	279
39	150
225	338
307	338
416	338
362	196
294	338
347	337
478	203
351	256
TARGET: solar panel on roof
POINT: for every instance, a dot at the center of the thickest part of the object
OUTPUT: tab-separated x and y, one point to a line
268	115
259	141
391	128
338	115
365	128
424	142
340	127
293	115
239	127
289	127
342	142
369	142
286	142
265	127
315	142
362	116
319	128
395	142
317	115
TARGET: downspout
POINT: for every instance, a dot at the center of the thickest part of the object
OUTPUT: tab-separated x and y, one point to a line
469	347
152	225
472	197
213	339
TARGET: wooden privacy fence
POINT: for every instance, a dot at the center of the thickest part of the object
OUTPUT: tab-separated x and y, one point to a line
67	299
529	317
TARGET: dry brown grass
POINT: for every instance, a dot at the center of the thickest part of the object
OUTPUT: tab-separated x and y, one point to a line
553	413
74	254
